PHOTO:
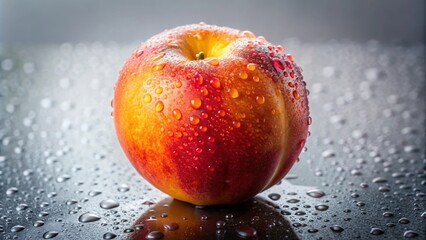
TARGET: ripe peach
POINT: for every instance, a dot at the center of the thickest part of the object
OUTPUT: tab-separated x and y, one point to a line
211	115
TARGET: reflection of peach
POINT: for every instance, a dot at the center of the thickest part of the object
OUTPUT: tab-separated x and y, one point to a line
214	222
211	115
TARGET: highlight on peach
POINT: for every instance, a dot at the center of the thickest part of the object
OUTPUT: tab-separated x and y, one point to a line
211	115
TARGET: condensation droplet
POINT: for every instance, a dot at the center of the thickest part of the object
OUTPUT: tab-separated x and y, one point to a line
251	66
196	102
159	106
260	99
177	114
234	93
50	234
88	217
109	204
147	98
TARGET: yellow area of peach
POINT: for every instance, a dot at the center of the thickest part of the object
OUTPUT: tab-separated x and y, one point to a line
138	124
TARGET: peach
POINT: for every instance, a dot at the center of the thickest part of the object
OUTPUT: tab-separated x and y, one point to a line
211	115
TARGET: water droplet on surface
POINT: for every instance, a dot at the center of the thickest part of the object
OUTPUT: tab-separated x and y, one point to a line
246	231
123	188
220	224
171	226
337	228
321	207
63	178
379	180
22	207
109	204
88	217
155	235
410	234
328	154
274	196
71	202
388	214
94	193
293	200
11	191
376	231
17	228
38	223
50	234
404	221
315	193
109	235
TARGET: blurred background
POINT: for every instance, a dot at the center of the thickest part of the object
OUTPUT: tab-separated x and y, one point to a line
52	21
362	174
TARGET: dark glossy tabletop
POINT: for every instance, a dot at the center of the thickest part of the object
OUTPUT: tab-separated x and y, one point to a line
362	175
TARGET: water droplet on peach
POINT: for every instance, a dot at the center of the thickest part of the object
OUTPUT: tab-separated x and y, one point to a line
158	90
256	79
194	120
203	128
242	75
196	102
251	66
139	53
147	98
296	95
213	61
159	106
215	83
200	79
158	56
160	66
204	91
278	65
234	93
177	114
260	99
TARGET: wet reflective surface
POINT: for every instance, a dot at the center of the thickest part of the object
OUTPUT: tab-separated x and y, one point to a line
64	176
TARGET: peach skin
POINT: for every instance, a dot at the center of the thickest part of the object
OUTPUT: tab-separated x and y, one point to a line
211	115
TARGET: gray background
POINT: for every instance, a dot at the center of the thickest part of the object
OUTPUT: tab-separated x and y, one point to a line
52	21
